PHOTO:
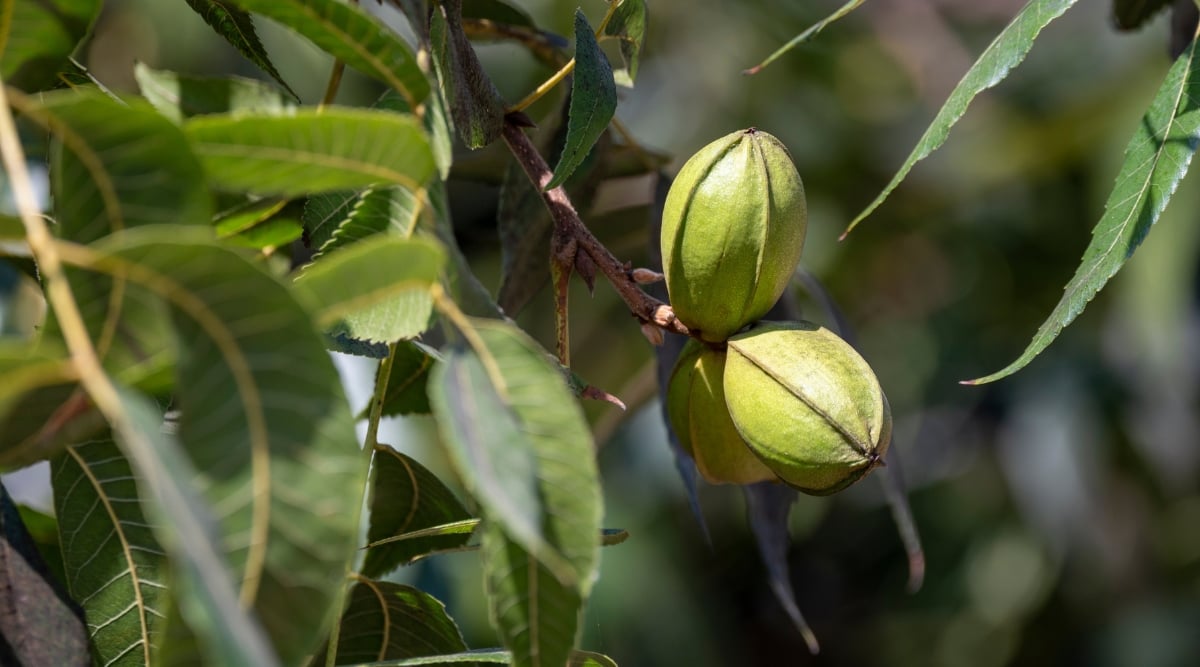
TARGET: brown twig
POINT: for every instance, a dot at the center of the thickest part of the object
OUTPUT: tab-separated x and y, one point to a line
568	225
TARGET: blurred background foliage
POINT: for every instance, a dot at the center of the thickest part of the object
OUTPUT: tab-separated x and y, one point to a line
1060	508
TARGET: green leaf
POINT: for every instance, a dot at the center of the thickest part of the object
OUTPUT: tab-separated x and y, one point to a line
236	26
348	33
460	281
114	564
628	24
324	213
497	11
805	36
118	165
250	364
36	38
1001	56
1156	160
518	439
184	526
537	615
406	497
1131	14
406	393
311	150
392	209
593	101
271	233
490	656
475	104
374	290
387	621
180	96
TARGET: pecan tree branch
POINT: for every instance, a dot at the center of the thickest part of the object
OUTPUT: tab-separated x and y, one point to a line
567	222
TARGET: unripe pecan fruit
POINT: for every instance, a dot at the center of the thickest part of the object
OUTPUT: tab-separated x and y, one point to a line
696	408
807	404
733	229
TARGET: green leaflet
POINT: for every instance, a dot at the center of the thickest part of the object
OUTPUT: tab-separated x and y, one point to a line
490	656
237	27
593	101
628	24
393	209
518	439
1156	160
1001	56
117	165
387	621
250	364
374	290
180	96
406	497
348	33
36	38
811	32
103	530
311	150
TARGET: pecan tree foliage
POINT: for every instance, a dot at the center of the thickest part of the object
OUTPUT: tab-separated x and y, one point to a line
209	241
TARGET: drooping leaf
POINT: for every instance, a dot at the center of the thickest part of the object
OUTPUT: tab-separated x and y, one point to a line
1131	14
1001	56
475	104
805	36
525	225
406	388
536	614
406	497
628	24
263	419
311	150
39	623
36	38
180	96
237	27
355	37
518	439
593	101
768	506
114	563
1156	160
119	165
224	632
387	621
374	290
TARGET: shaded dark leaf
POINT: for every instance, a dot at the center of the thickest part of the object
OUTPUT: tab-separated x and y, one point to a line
179	96
36	38
406	497
387	621
406	392
1131	14
475	104
768	506
593	102
236	26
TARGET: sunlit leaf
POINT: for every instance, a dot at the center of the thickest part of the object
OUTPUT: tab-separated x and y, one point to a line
1001	56
119	165
406	497
387	621
1156	160
475	104
114	563
518	440
324	213
179	96
348	33
593	101
36	38
311	150
271	233
236	26
628	24
393	209
805	36
375	290
263	419
33	602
